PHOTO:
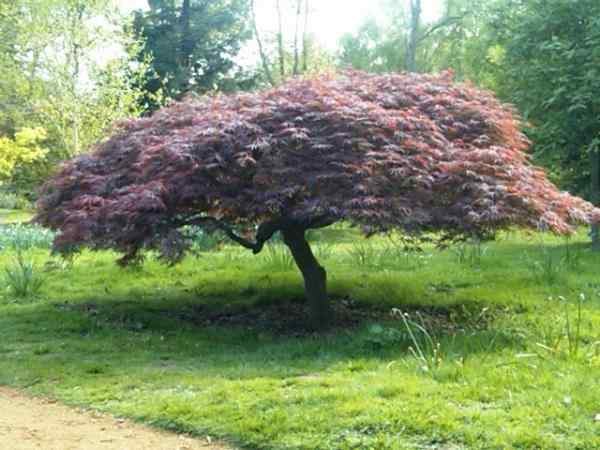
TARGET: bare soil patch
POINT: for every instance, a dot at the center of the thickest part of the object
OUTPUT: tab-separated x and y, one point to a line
28	423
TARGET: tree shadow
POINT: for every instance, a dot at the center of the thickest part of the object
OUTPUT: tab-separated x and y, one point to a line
269	337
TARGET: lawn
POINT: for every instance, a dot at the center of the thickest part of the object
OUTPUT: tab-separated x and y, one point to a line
500	348
14	216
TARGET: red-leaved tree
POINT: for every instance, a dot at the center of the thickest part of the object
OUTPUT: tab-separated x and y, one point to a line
410	152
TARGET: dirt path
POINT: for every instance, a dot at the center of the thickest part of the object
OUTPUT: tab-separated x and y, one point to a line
30	423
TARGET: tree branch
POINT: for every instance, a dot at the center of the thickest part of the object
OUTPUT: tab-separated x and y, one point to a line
447	21
265	231
321	221
263	56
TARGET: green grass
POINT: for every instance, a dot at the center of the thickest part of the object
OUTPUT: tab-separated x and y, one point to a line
14	216
485	360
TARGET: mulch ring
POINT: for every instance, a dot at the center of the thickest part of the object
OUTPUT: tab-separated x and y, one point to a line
289	317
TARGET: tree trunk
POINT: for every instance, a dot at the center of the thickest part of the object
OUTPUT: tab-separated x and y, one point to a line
186	49
315	278
305	38
280	42
413	35
595	192
75	81
296	38
263	56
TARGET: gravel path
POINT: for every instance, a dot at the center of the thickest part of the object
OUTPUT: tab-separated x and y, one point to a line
28	423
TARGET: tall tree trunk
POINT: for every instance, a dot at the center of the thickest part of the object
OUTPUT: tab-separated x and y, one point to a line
261	50
296	37
280	42
595	192
186	44
76	24
413	35
305	38
315	278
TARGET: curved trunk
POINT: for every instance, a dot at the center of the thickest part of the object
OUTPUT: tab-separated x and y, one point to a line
315	278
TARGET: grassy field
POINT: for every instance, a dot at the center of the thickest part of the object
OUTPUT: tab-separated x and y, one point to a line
14	216
500	348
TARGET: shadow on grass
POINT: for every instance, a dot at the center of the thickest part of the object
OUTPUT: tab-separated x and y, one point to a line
243	340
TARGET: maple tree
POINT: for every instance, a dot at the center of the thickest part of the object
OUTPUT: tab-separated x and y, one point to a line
408	152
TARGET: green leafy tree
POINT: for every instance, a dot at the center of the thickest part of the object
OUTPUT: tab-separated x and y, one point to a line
22	150
192	44
404	41
289	54
467	43
551	58
68	67
373	49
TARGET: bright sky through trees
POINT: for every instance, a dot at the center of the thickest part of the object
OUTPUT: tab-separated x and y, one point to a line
330	19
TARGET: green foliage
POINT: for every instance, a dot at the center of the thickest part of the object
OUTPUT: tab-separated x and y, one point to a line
377	47
540	55
549	266
551	58
380	336
562	337
391	253
278	257
14	216
68	72
465	40
470	252
22	150
203	241
22	278
425	347
364	253
461	39
192	45
10	200
20	237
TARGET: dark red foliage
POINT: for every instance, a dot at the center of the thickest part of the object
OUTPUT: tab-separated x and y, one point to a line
400	151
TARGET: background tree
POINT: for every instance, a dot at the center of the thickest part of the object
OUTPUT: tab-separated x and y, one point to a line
22	150
551	60
372	48
286	55
413	34
403	41
193	44
58	75
467	43
411	152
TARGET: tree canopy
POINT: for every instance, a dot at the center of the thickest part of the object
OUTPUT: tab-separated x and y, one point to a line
192	43
399	151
